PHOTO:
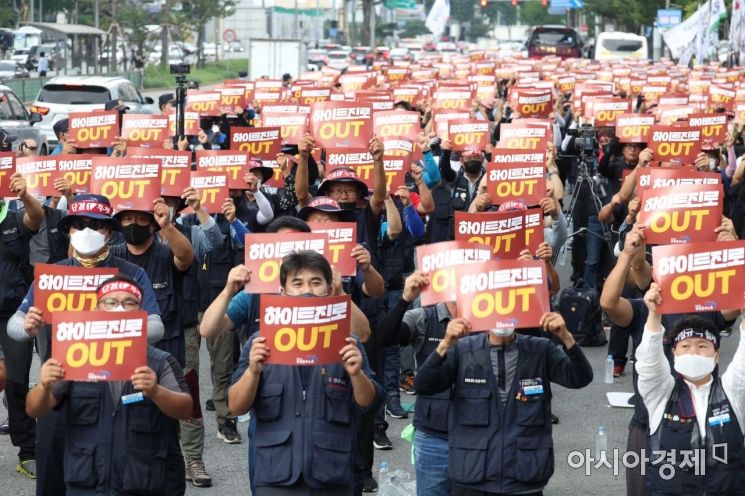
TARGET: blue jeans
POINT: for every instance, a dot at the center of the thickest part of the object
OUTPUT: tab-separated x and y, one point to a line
390	359
594	247
431	464
251	452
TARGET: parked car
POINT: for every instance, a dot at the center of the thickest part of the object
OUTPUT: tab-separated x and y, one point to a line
318	57
64	94
175	55
362	55
399	53
617	45
10	69
20	56
560	41
15	119
338	60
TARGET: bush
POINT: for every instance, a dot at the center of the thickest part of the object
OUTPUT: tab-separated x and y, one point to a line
212	72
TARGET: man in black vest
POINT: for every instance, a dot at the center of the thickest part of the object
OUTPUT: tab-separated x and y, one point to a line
499	430
695	415
15	273
424	328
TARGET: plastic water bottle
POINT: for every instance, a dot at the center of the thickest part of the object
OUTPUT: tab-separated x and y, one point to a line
601	443
609	370
384	480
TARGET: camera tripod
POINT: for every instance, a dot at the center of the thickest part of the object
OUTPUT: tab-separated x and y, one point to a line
180	104
585	184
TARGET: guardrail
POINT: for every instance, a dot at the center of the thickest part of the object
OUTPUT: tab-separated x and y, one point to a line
27	88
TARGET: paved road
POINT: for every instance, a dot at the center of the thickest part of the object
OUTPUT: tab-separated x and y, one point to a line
580	412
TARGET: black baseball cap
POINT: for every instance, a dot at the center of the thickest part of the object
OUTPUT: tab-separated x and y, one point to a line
61	126
165	98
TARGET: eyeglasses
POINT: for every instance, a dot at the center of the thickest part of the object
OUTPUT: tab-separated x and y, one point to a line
80	223
342	190
24	146
113	303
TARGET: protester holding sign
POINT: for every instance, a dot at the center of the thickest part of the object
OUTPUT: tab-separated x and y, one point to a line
319	443
15	274
694	409
121	436
501	443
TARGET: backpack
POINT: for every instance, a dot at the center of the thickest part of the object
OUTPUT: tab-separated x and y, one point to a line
583	316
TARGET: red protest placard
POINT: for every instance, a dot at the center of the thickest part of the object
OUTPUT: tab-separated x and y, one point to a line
191	123
148	131
99	346
94	129
505	156
7	169
212	187
40	174
313	95
259	142
532	103
633	128
264	254
396	124
453	99
675	144
395	172
520	136
442	117
305	331
606	110
441	261
666	177
204	103
341	124
398	147
681	214
68	289
721	97
503	294
713	126
517	181
292	126
358	160
76	169
342	238
129	183
175	168
700	277
506	234
468	133
233	163
232	98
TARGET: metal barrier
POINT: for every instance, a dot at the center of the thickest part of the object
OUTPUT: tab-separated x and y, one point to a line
26	89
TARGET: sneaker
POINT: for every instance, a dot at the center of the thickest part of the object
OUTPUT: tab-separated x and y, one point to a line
725	332
618	370
4	427
554	419
380	439
369	485
27	468
196	473
228	433
394	409
210	406
407	385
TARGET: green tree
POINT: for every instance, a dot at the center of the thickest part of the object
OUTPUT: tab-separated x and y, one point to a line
533	13
195	14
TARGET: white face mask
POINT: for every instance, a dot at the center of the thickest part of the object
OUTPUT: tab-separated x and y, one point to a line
713	163
694	367
87	241
171	213
503	333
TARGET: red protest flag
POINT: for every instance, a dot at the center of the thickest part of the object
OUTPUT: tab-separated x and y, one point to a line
305	331
700	277
99	346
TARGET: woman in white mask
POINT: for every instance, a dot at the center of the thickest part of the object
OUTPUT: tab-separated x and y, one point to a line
694	413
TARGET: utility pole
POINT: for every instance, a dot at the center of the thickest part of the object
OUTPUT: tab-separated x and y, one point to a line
95	14
165	33
114	32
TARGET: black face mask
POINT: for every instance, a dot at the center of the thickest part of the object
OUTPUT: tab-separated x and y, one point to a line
6	147
136	234
348	205
472	166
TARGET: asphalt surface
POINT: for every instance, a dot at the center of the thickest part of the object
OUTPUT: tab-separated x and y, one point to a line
580	413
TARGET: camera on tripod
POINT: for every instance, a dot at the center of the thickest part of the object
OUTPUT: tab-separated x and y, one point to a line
584	141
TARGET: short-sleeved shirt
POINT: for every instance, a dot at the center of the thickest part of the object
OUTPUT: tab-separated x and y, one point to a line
239	308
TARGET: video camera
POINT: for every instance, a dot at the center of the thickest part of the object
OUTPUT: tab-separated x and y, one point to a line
180	71
585	141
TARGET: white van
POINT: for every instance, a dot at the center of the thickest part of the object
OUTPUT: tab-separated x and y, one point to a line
617	45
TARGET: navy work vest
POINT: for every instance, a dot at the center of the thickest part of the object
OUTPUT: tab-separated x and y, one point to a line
501	449
13	262
116	449
56	239
164	276
188	297
449	198
431	413
310	434
679	432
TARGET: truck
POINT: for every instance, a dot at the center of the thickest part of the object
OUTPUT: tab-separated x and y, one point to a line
272	58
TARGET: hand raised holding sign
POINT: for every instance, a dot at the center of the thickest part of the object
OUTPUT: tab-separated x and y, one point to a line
18	185
237	278
259	354
306	145
645	157
702	162
192	198
544	252
51	373
145	380
33	322
161	213
63	186
376	149
352	358
413	285
362	256
634	241
228	209
726	230
423	142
